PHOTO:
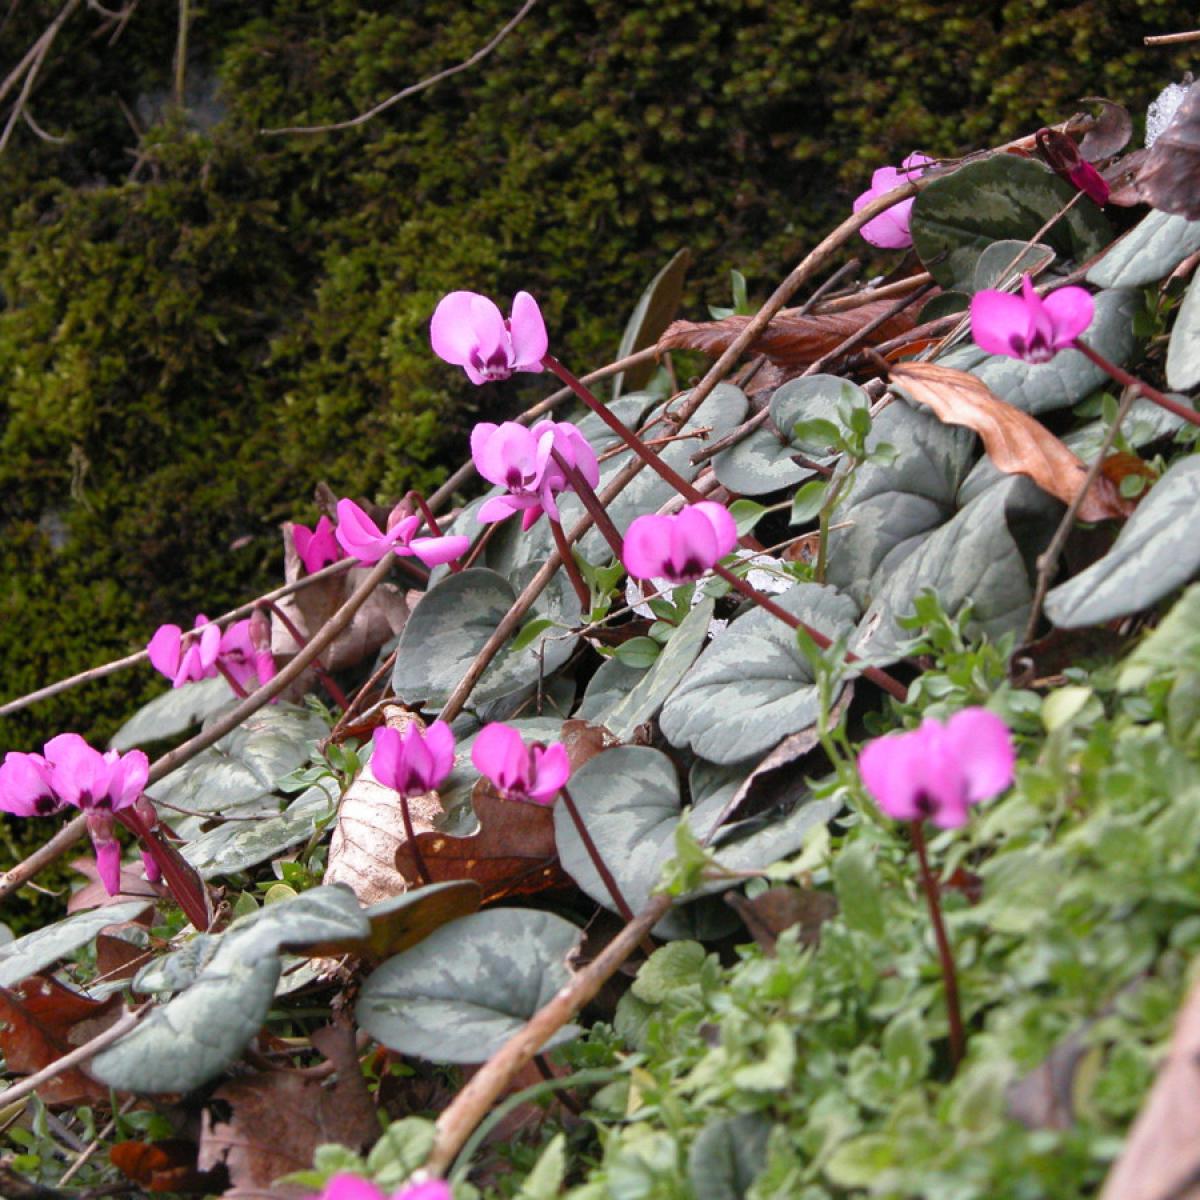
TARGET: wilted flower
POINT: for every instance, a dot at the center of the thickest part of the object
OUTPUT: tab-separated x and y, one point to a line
517	771
519	459
100	785
469	331
1026	326
186	665
361	538
889	230
938	771
681	547
26	789
414	762
316	547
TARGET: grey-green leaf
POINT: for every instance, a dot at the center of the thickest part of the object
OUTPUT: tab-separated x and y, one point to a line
449	627
462	992
727	1155
1156	552
36	951
752	686
1150	250
1183	350
956	218
174	711
1003	263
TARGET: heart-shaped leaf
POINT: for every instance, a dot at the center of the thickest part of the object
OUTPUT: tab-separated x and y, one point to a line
753	686
1156	552
1003	197
459	995
1151	250
173	712
448	628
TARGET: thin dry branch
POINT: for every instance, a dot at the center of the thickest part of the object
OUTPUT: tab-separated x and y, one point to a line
1172	39
32	64
414	88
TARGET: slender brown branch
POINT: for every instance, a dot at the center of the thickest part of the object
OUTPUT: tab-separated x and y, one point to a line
76	828
1171	39
40	50
116	1031
492	1080
870	295
414	88
958	1042
593	851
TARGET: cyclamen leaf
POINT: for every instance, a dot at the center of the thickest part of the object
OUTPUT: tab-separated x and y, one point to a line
1183	350
1014	441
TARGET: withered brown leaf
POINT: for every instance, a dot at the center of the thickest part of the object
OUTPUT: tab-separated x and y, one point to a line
1169	179
1014	441
791	340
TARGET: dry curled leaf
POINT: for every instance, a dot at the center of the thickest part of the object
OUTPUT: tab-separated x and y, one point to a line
512	854
166	1166
370	831
1161	1158
1169	178
42	1021
789	340
1110	132
1014	441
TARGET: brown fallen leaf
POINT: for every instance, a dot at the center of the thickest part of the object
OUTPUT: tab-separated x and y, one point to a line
780	908
1110	132
1161	1158
133	886
370	831
166	1166
789	340
118	952
1169	179
1014	441
263	1126
42	1021
512	854
380	619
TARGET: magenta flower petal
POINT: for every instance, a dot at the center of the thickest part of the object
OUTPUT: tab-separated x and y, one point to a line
1071	310
26	789
408	763
439	739
358	535
164	649
528	332
889	230
500	508
318	547
350	1187
452	330
723	524
1089	181
500	754
552	770
995	317
80	775
433	551
681	547
983	744
385	755
151	868
506	455
128	779
108	864
647	543
891	770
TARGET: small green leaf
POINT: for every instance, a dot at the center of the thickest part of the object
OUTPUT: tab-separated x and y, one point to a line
529	631
808	501
638	652
673	966
746	514
402	1147
817	435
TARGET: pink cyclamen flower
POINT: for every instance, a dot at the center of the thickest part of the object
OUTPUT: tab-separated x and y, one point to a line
26	786
414	762
353	1187
517	771
316	547
520	459
361	538
100	785
1026	326
938	771
469	331
245	655
180	664
889	230
681	547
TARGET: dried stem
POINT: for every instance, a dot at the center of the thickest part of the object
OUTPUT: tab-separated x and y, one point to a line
410	834
949	976
493	1079
881	678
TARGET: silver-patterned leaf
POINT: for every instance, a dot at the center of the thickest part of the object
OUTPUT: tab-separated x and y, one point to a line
35	951
174	711
1152	249
1183	350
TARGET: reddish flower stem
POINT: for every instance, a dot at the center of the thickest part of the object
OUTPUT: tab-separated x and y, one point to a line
238	690
958	1041
652	460
339	697
415	497
1124	378
571	567
881	678
186	885
598	862
591	502
410	834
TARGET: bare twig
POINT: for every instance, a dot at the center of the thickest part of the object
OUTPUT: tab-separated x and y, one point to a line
38	131
414	88
81	1054
1171	39
32	64
491	1081
1048	559
181	43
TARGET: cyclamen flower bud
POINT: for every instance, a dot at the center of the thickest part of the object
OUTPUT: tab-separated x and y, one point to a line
316	547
